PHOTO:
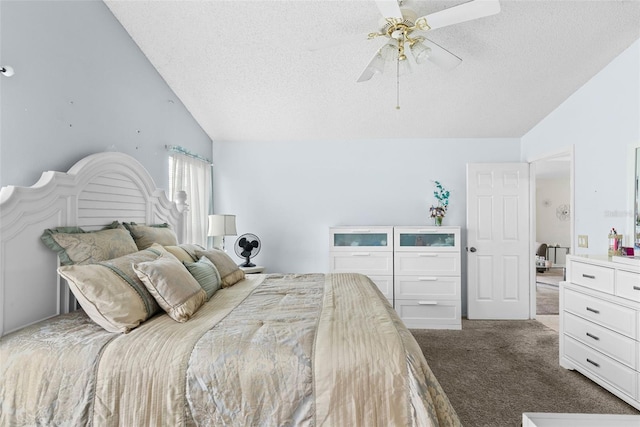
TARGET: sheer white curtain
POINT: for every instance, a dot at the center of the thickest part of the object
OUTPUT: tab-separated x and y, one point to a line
192	175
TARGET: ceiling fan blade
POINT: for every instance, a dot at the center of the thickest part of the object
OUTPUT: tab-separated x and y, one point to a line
389	9
461	13
441	56
376	65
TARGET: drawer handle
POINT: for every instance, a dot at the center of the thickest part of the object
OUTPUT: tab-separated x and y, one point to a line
589	276
636	288
360	254
428	255
593	310
593	336
427	279
427	302
597	365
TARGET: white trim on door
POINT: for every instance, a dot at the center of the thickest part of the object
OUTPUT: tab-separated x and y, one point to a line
568	154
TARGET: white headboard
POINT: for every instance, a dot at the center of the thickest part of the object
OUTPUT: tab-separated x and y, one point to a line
97	190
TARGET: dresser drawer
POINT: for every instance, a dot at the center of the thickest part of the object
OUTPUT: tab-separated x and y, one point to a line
385	284
429	314
618	375
628	285
592	276
427	239
415	287
372	239
370	263
617	346
427	264
613	316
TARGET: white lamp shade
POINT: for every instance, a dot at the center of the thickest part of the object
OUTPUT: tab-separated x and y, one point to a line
222	225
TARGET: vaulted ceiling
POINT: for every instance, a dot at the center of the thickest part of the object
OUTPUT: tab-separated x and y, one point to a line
245	72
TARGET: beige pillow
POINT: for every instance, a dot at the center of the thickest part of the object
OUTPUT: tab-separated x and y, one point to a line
146	235
230	273
76	246
173	287
111	293
185	252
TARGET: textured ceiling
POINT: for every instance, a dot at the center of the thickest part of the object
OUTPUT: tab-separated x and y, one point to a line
244	71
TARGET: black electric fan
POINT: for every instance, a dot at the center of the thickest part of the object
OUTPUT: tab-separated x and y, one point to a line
247	246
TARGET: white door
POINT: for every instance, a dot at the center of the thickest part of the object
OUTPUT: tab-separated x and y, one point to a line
498	259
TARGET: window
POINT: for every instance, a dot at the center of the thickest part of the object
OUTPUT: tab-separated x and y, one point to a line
193	175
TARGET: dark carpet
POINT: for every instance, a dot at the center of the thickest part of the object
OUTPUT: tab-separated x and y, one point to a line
494	370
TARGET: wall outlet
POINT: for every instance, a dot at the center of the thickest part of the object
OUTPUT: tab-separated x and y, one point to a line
583	241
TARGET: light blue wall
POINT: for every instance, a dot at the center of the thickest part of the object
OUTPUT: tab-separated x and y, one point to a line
602	122
290	193
81	86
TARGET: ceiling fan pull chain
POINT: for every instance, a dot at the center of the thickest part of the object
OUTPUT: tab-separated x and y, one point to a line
398	84
398	75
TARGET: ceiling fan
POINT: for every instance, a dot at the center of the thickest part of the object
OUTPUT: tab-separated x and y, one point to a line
405	34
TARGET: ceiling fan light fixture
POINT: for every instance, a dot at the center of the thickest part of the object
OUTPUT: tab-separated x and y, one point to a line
420	51
389	52
404	67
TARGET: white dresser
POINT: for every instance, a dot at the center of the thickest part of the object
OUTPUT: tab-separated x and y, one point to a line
416	268
427	283
366	250
600	324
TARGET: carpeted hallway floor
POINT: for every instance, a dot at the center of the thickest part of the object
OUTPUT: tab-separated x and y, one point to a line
547	299
547	291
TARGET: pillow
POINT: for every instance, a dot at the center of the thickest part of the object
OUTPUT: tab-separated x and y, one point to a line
185	252
111	293
206	274
229	271
146	235
173	287
76	246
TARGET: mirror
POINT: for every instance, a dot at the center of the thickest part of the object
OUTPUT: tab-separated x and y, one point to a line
636	214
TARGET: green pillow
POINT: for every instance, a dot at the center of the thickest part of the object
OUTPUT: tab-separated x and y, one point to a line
77	246
206	274
228	270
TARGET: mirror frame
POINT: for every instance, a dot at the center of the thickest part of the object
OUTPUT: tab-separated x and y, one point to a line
636	203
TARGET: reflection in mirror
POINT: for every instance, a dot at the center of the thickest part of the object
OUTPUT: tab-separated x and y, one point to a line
636	216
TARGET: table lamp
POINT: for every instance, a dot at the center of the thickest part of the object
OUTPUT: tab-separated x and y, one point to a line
222	225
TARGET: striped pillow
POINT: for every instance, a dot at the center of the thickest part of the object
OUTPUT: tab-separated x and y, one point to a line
229	271
206	274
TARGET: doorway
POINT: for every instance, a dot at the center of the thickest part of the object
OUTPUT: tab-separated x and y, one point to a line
552	231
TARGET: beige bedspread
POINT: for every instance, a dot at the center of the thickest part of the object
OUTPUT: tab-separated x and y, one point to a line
307	350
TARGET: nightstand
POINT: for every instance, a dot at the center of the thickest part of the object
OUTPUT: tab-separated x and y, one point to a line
253	270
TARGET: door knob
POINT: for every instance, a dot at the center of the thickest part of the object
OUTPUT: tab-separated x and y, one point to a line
472	249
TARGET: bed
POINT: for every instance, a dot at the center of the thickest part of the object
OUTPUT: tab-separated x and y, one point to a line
270	349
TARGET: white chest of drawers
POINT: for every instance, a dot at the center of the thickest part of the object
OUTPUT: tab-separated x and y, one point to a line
600	324
416	268
366	250
427	282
